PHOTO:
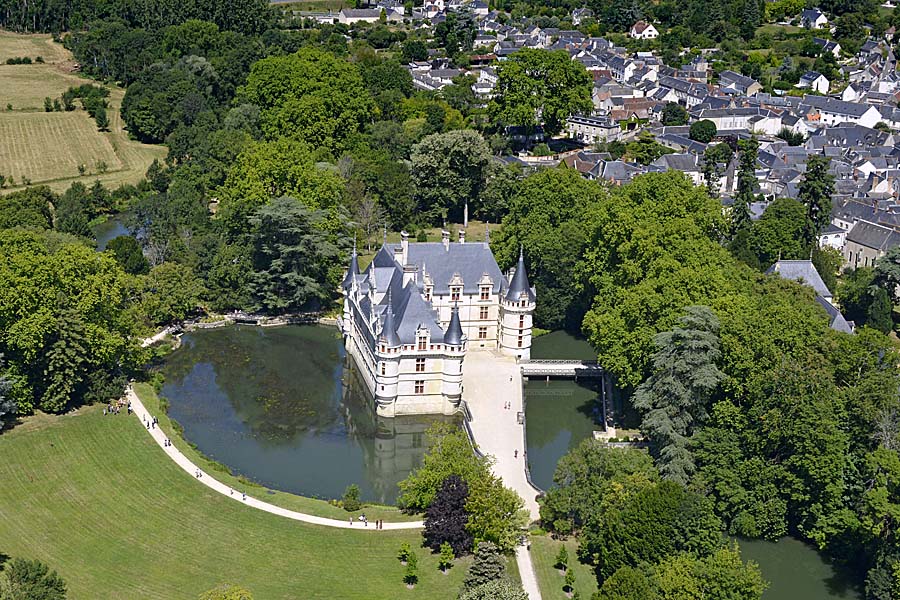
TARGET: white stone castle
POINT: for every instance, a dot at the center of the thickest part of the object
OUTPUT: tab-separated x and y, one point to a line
409	320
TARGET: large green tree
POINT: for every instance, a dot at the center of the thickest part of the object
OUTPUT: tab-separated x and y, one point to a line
778	234
311	95
675	398
815	192
887	273
23	579
549	217
746	191
296	264
449	170
540	87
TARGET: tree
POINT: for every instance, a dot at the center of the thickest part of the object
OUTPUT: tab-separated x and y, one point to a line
674	399
171	292
498	589
226	592
487	566
887	273
746	192
414	50
128	253
778	233
449	453
411	575
28	208
674	114
445	561
404	553
540	86
101	118
702	131
562	558
587	473
854	293
496	513
549	218
815	192
569	582
449	171
350	500
657	521
296	265
23	579
446	518
311	96
878	315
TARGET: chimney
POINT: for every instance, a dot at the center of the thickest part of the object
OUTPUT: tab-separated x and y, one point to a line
404	245
462	236
445	238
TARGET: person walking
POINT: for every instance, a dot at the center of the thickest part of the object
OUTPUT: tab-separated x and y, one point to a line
515	454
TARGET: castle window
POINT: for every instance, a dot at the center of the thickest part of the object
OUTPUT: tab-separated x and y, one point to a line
382	369
423	344
420	386
428	293
520	341
454	294
420	365
485	292
482	333
483	313
521	321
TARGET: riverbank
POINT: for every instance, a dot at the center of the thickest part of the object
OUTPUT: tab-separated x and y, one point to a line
294	502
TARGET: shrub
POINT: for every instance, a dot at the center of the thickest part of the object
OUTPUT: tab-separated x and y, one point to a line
411	577
350	498
403	554
445	562
562	559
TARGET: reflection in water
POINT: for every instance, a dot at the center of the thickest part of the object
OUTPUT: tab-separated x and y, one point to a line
285	407
561	412
795	571
111	228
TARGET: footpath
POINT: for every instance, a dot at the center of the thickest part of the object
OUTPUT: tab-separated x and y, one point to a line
490	380
209	481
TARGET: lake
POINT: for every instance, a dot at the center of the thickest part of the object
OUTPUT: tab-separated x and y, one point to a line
284	407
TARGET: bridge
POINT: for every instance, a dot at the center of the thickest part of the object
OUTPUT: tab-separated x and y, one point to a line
561	368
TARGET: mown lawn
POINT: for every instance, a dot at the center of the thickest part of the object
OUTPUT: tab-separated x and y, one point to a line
95	498
312	506
543	555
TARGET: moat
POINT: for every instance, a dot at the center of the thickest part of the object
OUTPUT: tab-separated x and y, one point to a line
282	407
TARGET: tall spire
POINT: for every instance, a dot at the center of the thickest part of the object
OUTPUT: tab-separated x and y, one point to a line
353	270
519	284
454	334
389	329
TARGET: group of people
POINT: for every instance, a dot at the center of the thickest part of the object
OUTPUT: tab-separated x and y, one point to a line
113	408
152	423
379	524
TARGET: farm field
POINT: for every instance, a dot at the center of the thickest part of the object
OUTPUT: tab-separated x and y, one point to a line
47	148
95	498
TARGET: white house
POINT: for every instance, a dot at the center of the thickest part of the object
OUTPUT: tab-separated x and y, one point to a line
813	19
410	318
592	129
812	80
831	111
643	31
348	16
829	46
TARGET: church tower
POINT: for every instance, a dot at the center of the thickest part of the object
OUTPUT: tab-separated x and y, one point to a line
516	310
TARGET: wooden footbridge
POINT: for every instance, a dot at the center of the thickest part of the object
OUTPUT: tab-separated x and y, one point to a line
561	368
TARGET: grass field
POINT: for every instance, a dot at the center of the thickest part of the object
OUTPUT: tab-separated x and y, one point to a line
543	554
312	506
95	498
44	146
47	148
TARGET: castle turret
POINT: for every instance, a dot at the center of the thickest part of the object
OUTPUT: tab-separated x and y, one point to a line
387	362
516	310
348	286
455	351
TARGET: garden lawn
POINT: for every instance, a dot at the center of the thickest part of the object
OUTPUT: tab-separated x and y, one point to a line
95	498
312	506
543	554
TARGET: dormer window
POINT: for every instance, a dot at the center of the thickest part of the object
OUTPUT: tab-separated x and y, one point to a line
427	293
423	343
454	294
485	292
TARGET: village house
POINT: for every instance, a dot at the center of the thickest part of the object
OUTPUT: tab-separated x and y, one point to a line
812	80
813	18
643	31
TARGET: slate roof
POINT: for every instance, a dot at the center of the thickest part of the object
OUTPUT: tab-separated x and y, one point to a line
838	322
838	107
803	271
872	235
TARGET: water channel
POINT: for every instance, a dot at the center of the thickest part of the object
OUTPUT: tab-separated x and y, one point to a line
561	413
283	407
111	228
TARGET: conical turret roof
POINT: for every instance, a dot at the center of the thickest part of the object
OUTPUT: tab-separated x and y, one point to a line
454	334
519	284
352	271
389	329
